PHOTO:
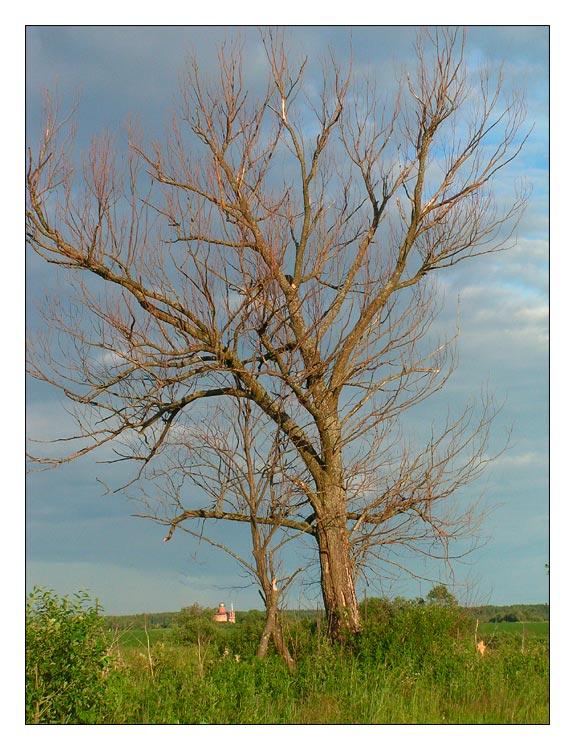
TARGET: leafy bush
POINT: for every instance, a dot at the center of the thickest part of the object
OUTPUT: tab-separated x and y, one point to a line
377	610
195	626
194	623
251	617
442	596
66	659
414	634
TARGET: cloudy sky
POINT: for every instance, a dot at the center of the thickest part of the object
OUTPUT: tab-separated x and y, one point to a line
77	538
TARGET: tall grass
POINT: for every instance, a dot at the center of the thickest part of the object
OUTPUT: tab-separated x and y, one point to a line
501	688
421	667
412	665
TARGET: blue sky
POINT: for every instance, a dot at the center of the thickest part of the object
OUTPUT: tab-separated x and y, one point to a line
79	539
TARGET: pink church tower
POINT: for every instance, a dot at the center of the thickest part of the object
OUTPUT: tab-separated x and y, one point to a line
222	615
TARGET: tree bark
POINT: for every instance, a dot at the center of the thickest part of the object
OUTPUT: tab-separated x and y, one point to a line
272	629
337	578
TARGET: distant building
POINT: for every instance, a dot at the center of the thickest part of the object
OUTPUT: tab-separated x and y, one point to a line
222	615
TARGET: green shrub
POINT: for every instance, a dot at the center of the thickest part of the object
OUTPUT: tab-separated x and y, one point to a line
66	659
194	623
441	596
415	635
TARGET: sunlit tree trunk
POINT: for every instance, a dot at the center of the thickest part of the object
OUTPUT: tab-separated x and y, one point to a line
272	628
337	577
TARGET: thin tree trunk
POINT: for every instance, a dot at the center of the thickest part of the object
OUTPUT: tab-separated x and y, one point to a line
282	647
272	629
265	636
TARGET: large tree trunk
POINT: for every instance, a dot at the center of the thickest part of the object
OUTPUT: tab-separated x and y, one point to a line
337	580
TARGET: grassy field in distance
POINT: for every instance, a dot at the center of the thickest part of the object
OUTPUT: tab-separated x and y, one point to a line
535	628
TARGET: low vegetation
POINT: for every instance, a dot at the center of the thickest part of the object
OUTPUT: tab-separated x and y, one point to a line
67	659
415	662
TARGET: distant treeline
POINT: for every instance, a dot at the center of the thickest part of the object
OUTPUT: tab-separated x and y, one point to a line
483	613
138	622
166	619
510	613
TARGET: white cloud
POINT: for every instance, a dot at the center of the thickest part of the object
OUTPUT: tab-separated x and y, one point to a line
526	460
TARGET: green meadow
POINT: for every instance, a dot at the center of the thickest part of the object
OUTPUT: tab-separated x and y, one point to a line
414	663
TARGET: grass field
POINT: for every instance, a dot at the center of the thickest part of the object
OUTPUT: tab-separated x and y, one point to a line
419	666
449	683
505	687
530	628
138	638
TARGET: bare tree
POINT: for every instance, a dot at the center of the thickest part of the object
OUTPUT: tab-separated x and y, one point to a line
277	249
237	470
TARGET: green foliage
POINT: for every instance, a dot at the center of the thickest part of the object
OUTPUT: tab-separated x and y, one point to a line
376	610
509	617
194	623
523	612
442	596
66	659
141	638
525	629
139	621
254	617
428	672
421	636
415	662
